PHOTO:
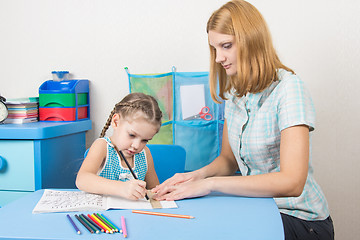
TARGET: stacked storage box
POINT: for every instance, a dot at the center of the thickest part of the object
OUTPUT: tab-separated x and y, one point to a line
66	100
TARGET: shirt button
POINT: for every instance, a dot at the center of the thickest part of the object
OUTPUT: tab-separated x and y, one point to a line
248	110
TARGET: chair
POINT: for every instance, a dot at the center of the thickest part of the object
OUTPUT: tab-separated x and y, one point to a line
168	160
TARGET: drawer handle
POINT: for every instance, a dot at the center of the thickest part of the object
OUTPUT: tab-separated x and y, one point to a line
2	164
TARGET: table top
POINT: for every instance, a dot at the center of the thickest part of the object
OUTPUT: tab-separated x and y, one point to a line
217	216
43	129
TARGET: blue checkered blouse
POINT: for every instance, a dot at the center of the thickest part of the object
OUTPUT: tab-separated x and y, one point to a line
115	171
254	125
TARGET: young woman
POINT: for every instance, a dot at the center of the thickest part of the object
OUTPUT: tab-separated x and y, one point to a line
268	117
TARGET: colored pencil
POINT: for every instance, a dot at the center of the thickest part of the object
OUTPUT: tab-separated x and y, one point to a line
128	165
83	217
123	226
84	224
105	223
97	223
105	220
162	214
93	223
73	224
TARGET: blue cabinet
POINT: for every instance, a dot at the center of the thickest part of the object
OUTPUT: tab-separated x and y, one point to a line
40	155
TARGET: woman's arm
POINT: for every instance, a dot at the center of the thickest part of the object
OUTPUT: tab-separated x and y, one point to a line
289	182
151	177
87	179
225	164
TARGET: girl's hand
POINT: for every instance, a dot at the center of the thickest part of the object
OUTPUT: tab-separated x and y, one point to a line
189	189
168	186
133	189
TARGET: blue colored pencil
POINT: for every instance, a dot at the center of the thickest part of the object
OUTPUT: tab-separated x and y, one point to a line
84	224
74	225
82	216
96	227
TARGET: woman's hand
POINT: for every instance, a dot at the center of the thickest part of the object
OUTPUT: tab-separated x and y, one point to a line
188	189
170	184
133	189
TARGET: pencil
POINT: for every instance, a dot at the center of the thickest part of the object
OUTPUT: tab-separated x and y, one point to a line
105	223
128	165
83	217
112	226
93	223
84	224
163	214
73	224
123	226
97	223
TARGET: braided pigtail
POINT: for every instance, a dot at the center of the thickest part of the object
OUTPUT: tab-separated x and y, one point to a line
108	122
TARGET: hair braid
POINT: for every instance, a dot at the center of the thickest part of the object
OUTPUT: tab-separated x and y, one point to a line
135	103
108	122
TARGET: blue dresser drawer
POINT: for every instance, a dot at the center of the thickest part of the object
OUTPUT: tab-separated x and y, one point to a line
40	155
17	171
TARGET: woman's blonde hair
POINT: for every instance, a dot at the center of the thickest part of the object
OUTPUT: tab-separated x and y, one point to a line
135	103
257	60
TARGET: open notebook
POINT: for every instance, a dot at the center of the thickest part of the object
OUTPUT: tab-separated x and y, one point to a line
69	201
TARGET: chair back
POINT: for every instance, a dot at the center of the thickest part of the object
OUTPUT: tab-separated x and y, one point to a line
168	160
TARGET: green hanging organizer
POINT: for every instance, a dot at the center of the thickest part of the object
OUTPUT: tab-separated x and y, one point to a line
200	138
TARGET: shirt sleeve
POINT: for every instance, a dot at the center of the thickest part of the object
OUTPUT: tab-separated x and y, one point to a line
295	105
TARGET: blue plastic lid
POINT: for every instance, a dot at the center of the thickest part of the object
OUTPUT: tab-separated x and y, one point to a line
60	74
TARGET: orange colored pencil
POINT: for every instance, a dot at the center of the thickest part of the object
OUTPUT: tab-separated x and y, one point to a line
163	214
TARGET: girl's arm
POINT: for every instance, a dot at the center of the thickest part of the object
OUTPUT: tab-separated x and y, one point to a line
87	179
151	177
288	182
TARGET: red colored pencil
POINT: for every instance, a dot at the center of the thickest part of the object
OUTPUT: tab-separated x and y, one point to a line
96	221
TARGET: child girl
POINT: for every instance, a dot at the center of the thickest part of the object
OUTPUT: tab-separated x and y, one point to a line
135	120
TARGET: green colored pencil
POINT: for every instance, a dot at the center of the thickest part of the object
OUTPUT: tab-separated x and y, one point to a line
109	222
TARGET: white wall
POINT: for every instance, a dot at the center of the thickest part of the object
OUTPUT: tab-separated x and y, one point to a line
97	39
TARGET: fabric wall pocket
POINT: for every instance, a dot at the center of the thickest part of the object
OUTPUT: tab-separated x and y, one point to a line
160	86
192	93
200	141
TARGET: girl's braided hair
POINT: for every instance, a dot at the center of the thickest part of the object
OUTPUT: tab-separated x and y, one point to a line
134	103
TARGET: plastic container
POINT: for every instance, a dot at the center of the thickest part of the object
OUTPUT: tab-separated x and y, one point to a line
65	86
63	99
66	100
63	114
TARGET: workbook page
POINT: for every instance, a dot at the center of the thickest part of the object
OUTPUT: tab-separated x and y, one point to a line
122	203
67	201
